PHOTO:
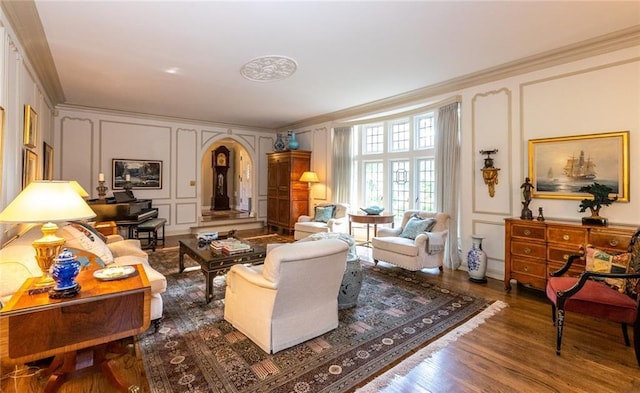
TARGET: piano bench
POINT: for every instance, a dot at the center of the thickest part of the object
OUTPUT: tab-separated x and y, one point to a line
151	227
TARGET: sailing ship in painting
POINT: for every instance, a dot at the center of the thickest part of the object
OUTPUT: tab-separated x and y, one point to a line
580	168
576	173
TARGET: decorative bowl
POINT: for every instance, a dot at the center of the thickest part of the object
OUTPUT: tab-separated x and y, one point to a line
372	210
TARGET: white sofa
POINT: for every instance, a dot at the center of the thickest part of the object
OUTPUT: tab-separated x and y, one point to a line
17	260
290	299
426	250
338	222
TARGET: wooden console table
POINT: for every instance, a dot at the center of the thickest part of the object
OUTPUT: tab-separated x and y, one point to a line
34	327
535	248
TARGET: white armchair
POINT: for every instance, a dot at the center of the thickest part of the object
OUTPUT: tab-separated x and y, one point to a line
290	299
337	222
413	250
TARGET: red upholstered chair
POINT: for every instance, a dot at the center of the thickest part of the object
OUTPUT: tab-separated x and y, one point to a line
610	296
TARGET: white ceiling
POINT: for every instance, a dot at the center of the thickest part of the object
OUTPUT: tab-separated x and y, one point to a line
115	55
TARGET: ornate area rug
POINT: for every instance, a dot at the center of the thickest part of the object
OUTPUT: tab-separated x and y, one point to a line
196	350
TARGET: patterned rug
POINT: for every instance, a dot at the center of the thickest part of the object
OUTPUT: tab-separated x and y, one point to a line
196	350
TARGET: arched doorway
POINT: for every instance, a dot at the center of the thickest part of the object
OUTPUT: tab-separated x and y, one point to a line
239	177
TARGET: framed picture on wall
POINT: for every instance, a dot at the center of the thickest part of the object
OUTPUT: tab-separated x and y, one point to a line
29	166
143	174
559	167
30	126
47	162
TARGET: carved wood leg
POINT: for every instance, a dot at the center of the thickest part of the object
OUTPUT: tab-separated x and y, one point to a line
560	326
636	339
625	334
553	313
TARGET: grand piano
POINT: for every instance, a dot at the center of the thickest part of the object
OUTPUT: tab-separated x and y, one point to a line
124	209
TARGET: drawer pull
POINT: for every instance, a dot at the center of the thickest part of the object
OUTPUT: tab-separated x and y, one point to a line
527	232
566	237
565	256
527	250
613	242
526	268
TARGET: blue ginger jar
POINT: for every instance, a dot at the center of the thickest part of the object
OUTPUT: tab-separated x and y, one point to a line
477	261
293	142
64	271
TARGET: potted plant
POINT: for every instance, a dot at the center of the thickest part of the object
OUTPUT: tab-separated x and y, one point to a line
600	198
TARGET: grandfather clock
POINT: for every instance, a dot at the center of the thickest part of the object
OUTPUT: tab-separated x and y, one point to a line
220	163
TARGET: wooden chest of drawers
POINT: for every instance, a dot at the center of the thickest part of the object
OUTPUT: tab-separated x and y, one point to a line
534	248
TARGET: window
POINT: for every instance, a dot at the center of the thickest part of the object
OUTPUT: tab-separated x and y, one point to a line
374	139
399	171
425	132
400	136
374	183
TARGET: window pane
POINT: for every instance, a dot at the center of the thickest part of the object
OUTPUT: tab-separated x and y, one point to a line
425	132
374	183
400	136
400	187
374	138
426	185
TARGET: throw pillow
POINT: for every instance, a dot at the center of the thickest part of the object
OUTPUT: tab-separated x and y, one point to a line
417	225
77	236
323	213
90	229
602	262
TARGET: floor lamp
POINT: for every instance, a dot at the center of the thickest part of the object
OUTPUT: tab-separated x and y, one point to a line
47	202
309	177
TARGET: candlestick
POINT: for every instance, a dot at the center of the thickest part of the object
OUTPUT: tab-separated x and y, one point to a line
102	190
101	176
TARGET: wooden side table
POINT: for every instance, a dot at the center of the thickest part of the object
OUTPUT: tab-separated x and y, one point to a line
35	326
368	219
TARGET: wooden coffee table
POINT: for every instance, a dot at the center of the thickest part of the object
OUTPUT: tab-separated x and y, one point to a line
213	263
368	219
34	326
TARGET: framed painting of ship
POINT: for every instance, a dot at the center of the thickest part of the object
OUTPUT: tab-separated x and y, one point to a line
559	167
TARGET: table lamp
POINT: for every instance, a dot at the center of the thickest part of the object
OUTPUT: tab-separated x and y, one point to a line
81	191
47	202
309	177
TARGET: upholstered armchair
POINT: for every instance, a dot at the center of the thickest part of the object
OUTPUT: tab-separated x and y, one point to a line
290	299
419	242
329	217
607	289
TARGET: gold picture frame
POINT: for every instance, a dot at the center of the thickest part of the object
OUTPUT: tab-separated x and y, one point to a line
30	126
559	167
47	162
29	167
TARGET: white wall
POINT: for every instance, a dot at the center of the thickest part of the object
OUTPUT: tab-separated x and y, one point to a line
89	140
596	95
18	87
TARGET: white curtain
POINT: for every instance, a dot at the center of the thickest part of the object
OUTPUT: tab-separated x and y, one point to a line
447	171
342	163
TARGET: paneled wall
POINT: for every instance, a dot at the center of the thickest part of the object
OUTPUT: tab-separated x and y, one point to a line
90	139
596	95
19	87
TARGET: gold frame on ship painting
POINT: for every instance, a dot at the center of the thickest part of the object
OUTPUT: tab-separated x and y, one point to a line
559	167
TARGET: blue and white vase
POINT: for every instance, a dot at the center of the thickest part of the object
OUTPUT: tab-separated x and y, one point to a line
279	144
293	142
477	260
64	271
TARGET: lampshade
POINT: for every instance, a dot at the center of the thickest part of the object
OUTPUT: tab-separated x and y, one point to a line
47	201
81	191
310	177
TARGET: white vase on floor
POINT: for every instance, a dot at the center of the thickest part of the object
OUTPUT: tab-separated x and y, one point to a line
477	261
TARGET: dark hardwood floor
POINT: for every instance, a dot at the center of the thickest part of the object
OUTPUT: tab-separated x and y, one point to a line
513	351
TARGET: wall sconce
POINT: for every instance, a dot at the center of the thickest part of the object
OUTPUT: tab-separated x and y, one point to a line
489	172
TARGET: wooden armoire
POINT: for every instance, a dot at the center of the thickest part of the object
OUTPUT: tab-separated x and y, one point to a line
287	196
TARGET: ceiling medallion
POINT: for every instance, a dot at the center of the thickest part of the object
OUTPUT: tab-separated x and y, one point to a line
269	68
